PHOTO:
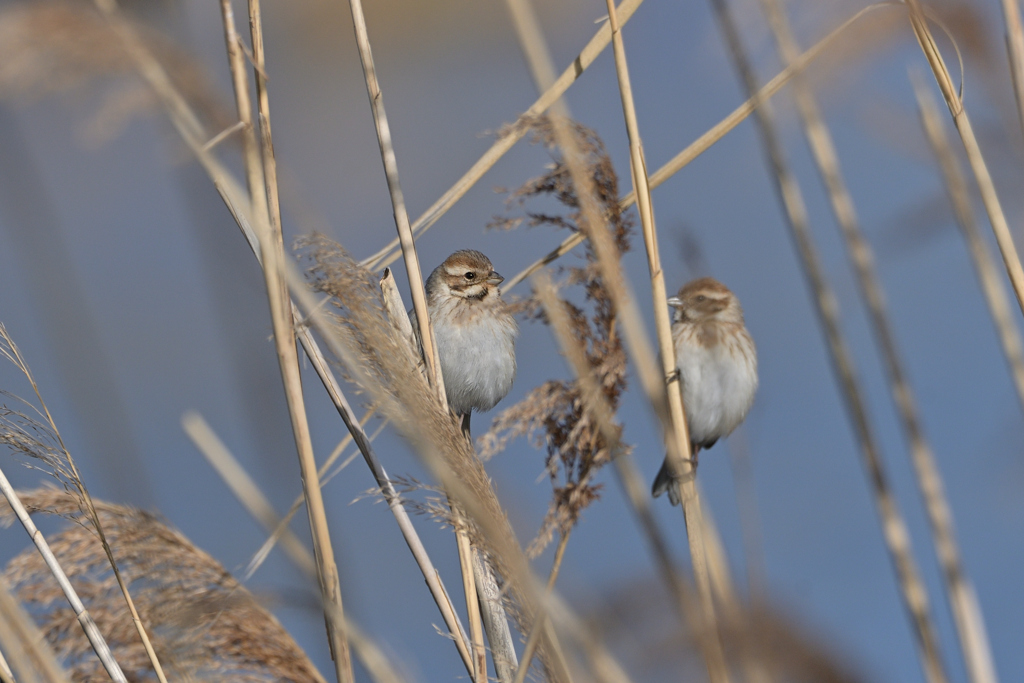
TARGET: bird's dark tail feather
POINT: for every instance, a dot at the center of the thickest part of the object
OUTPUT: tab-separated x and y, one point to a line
664	481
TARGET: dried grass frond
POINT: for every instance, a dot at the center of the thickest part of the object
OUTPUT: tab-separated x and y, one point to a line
50	47
554	415
203	622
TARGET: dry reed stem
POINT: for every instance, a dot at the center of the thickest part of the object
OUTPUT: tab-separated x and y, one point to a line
679	458
6	675
243	486
959	591
187	124
32	657
989	197
11	351
426	332
502	649
483	602
709	138
281	527
405	236
509	137
430	575
1015	52
534	638
272	245
243	105
984	263
598	231
894	529
92	632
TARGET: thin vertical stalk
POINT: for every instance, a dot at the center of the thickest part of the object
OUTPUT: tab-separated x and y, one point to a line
959	591
272	243
1015	52
405	236
897	537
679	458
984	262
989	197
243	105
99	645
538	626
387	152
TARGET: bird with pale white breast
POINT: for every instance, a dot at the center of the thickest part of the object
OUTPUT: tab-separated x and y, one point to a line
475	331
717	365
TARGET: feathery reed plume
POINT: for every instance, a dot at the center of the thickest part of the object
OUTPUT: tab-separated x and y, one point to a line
53	46
553	416
41	440
636	619
204	623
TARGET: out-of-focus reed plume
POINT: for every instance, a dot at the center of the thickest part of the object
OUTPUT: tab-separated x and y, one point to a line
204	623
553	415
54	46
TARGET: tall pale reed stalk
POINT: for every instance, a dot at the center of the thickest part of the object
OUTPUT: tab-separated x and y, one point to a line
992	287
989	197
1015	52
959	589
894	529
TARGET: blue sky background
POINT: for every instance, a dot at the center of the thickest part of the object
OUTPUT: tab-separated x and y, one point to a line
134	298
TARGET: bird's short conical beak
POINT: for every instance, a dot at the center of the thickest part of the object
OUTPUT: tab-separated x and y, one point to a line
675	302
495	279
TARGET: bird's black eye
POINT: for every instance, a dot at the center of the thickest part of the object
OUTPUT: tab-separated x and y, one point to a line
701	297
470	275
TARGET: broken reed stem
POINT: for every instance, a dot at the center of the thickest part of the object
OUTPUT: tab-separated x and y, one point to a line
99	645
989	197
984	263
272	243
1015	52
959	591
678	458
705	141
541	623
508	139
387	153
894	529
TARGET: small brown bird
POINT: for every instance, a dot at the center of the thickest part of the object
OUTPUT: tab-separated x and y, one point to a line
717	364
475	332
